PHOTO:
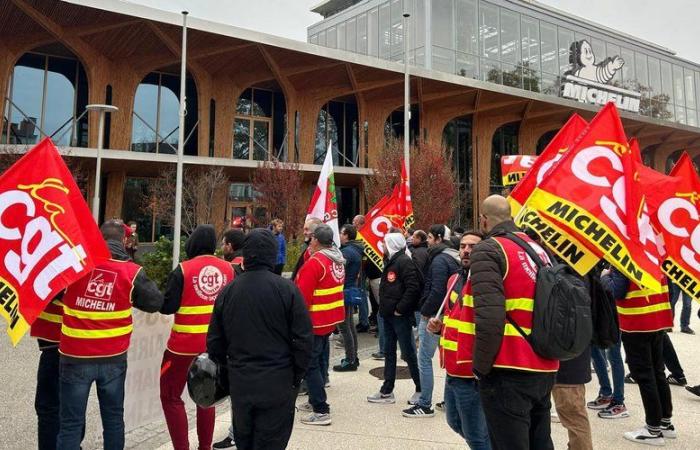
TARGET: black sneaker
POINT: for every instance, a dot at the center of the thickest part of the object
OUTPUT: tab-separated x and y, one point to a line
629	379
379	356
346	366
677	381
418	412
362	328
440	406
687	330
693	389
225	443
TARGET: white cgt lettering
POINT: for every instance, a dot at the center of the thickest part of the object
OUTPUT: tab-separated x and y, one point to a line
665	215
544	168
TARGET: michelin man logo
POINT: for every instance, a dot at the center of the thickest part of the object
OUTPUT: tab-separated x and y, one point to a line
584	65
588	81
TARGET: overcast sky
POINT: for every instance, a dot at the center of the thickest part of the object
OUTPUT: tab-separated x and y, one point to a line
670	23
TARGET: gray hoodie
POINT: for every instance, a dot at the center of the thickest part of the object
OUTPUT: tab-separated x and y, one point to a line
334	254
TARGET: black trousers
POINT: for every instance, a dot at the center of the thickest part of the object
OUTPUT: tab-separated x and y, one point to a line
517	407
645	358
671	358
263	424
46	401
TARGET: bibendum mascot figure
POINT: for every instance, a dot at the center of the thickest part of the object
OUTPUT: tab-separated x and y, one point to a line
584	64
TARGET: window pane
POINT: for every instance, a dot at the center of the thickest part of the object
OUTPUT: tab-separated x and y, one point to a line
351	31
491	71
169	117
599	51
467	65
384	31
143	138
667	80
332	37
341	37
692	118
243	107
372	33
613	51
261	140
697	91
641	71
241	138
549	48
442	23
628	68
510	37
531	78
678	86
488	30
689	89
262	103
362	34
654	76
566	38
512	75
530	42
467	26
419	19
313	39
322	38
396	27
27	89
550	84
443	59
59	100
680	114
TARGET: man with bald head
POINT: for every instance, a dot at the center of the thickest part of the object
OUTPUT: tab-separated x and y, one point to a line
502	286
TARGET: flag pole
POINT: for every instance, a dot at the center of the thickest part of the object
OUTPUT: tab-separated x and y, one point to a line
177	223
406	99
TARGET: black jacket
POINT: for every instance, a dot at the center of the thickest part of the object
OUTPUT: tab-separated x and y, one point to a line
419	255
261	326
443	261
202	241
399	289
300	261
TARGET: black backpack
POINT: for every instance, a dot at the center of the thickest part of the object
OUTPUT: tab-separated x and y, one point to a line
606	331
561	320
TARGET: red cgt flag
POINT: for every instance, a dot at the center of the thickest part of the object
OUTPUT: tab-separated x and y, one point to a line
48	238
588	193
385	214
514	168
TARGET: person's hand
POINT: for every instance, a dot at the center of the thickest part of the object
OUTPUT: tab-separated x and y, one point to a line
434	325
397	314
617	63
605	272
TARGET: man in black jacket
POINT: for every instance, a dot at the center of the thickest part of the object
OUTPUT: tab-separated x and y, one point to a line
398	296
261	326
419	250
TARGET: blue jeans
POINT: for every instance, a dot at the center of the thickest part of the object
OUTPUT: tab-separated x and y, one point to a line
76	380
398	329
464	413
363	310
315	376
380	333
673	292
617	368
427	344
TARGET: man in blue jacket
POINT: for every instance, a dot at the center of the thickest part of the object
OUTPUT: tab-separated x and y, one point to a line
277	228
352	251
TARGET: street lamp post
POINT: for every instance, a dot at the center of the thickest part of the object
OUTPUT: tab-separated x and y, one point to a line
406	100
177	223
103	110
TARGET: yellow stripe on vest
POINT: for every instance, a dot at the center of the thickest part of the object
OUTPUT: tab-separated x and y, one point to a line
448	345
327	306
96	334
55	318
191	329
645	292
461	326
206	309
329	291
644	309
468	300
510	330
96	315
524	304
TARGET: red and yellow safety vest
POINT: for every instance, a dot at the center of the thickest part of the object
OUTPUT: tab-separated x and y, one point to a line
327	304
48	325
642	311
203	278
458	330
519	290
97	319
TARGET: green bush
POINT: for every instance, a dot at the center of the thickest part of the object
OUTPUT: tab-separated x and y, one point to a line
293	253
159	263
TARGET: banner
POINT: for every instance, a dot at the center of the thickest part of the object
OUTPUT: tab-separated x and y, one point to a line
48	238
323	204
588	194
676	214
405	204
384	215
551	154
514	168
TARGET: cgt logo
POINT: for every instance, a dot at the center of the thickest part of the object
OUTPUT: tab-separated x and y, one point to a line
209	282
101	284
679	217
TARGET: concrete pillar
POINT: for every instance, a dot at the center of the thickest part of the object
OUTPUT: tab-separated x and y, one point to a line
114	194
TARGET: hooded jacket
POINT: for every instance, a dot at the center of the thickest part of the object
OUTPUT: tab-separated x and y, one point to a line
261	327
202	241
419	255
352	252
399	289
443	262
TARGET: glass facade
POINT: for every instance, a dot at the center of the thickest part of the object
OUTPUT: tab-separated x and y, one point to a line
156	119
47	97
259	128
518	45
338	126
457	137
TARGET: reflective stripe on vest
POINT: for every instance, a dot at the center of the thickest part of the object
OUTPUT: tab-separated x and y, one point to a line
47	325
327	306
204	277
644	311
458	332
97	321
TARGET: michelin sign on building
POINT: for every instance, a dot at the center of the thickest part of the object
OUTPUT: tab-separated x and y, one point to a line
588	81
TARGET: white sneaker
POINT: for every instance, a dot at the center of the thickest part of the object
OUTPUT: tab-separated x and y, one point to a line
316	419
643	436
305	407
381	398
555	417
669	431
414	398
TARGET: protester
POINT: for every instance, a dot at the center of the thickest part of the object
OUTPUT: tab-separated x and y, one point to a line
309	227
674	291
419	250
132	240
503	282
95	336
569	395
190	293
443	262
644	317
277	228
610	402
261	330
363	324
232	248
320	280
399	291
462	401
352	251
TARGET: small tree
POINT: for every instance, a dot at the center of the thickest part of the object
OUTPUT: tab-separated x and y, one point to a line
433	181
278	190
